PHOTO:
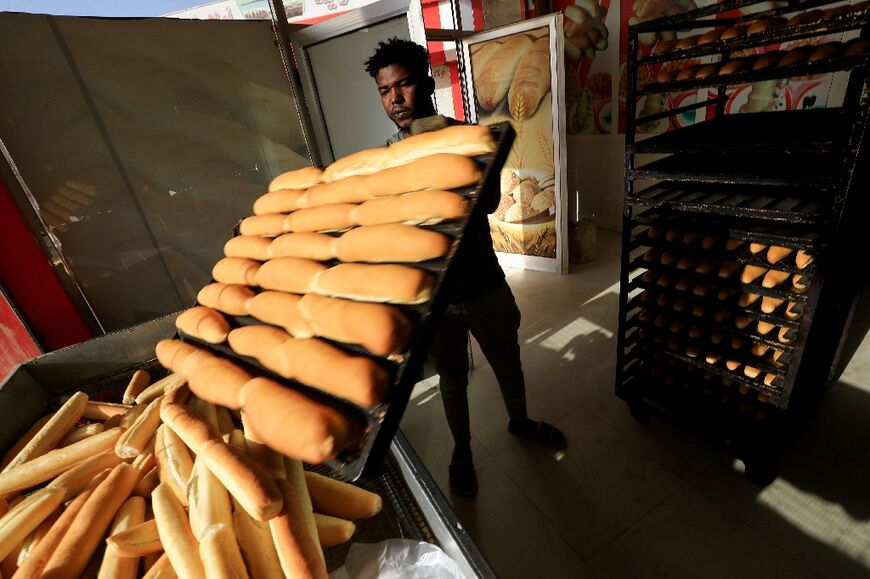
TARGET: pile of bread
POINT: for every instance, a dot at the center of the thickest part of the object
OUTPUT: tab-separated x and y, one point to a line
164	485
703	287
805	54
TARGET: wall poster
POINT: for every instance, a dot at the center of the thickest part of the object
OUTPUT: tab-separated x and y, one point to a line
516	75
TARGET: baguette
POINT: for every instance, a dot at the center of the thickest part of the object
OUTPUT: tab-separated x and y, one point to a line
86	532
803	259
734	31
294	472
225	420
193	430
281	309
160	387
770	304
797	55
135	439
773	278
52	432
269	224
161	569
483	53
313	362
319	432
115	566
335	217
826	51
244	479
209	501
308	245
765	24
418	208
279	201
391	243
136	540
736	65
220	553
229	299
381	329
297	552
707	71
32	541
289	274
377	283
80	476
531	81
175	534
777	253
81	433
497	74
147	483
236	270
33	566
219	381
768	60
467	140
687	42
139	382
333	531
204	409
174	464
25	438
710	37
26	516
55	462
104	410
255	541
752	273
439	172
805	17
340	499
248	246
298	179
270	461
203	323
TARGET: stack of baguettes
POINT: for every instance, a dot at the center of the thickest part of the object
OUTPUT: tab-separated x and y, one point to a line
325	255
164	485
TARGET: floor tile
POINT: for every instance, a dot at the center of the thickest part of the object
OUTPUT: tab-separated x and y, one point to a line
689	537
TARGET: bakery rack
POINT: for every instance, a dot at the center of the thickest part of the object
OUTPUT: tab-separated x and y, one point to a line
700	340
377	426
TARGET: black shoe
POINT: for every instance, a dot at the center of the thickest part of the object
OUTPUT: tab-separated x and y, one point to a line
463	480
540	432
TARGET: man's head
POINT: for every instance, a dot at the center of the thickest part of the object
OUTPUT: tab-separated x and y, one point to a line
401	70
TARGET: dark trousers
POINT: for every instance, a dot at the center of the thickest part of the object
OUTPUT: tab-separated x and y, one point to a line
493	320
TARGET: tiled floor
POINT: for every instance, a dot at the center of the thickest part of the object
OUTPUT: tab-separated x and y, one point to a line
630	500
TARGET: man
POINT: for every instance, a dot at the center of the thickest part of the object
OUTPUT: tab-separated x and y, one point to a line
478	295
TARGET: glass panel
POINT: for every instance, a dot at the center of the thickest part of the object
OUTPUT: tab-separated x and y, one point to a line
143	143
337	66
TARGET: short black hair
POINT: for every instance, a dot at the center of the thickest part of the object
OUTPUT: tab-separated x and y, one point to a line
398	51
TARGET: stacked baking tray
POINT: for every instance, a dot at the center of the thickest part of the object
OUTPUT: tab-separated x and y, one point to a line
414	507
731	227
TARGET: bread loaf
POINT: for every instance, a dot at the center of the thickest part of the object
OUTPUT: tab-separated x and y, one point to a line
333	531
281	309
531	82
340	499
707	71
497	74
421	207
439	172
81	433
826	51
203	323
230	299
734	31
752	273
104	410
381	329
236	270
687	42
174	462
279	201
805	17
297	552
308	245
377	283
52	432
146	484
160	569
269	460
26	516
313	362
175	534
244	479
255	541
136	540
687	72
768	60
710	37
770	304
765	24
80	476
773	278
482	53
209	501
135	439
736	65
25	438
802	259
797	55
319	432
56	461
248	246
289	274
160	387
87	530
467	140
298	179
220	553
391	243
335	217
268	224
140	380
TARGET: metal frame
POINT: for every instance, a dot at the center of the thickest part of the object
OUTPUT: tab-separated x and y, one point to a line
344	24
560	146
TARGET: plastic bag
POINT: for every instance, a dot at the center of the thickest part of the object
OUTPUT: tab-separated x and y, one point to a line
397	559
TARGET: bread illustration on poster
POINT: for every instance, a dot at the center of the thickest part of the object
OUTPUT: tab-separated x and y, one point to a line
512	82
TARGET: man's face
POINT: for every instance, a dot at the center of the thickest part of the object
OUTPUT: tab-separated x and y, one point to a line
399	91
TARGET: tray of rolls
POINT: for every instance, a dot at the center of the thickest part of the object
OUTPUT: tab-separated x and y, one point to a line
320	314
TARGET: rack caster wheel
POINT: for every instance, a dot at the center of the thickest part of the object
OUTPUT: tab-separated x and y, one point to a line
761	472
639	411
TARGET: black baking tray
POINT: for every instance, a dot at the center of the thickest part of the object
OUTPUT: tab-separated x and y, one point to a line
377	426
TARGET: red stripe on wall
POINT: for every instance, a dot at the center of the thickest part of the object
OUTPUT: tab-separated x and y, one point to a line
33	285
477	14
